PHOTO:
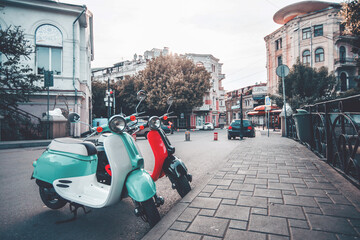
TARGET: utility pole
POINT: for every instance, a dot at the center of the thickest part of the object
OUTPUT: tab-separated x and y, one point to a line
241	118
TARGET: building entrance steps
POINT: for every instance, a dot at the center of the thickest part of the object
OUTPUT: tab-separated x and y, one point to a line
281	190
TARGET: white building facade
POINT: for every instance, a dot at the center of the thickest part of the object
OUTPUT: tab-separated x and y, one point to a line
312	32
214	99
62	36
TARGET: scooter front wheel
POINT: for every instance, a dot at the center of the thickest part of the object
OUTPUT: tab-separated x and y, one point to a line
50	198
182	186
150	211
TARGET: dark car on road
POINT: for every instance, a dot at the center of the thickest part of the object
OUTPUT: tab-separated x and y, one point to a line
247	130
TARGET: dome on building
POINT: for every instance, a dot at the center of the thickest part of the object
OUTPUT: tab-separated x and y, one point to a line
289	12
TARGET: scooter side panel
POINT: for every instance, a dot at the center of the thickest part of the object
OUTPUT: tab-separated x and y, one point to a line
136	158
120	164
160	152
140	185
54	165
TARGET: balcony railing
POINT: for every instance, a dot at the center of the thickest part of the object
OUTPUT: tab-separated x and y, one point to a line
334	134
345	61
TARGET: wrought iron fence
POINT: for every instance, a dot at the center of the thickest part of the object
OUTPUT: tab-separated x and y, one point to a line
334	130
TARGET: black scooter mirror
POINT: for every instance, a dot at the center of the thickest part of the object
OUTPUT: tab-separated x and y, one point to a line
170	101
73	117
141	95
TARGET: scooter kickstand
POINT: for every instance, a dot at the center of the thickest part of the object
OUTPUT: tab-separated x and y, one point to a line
73	209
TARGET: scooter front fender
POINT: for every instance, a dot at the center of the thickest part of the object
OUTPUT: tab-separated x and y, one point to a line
175	167
140	185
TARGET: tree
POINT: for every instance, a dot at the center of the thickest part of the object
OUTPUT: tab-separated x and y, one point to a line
98	94
17	80
304	85
173	76
17	83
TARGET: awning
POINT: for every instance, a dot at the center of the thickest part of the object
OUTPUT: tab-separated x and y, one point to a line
255	113
262	108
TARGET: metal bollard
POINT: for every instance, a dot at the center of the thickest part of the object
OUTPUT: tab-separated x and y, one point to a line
187	136
215	136
134	136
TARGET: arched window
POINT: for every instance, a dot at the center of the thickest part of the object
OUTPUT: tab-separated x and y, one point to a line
306	57
48	49
342	54
319	55
343	82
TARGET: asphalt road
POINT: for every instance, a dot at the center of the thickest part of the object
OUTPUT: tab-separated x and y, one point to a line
24	216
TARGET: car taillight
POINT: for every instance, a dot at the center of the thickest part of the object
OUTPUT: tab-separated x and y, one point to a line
249	127
230	127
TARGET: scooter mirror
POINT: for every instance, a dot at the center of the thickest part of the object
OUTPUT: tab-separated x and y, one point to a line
141	95
170	100
73	117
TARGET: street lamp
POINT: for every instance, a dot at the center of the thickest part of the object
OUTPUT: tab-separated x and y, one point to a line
282	71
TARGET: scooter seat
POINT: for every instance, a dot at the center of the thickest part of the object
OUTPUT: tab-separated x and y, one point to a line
71	145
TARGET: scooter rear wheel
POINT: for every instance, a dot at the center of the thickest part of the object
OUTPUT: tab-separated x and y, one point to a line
151	212
182	186
50	198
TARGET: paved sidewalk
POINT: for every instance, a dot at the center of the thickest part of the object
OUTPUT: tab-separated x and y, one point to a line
270	188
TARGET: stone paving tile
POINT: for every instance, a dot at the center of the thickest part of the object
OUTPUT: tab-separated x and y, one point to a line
286	211
301	175
209	188
302	234
281	186
234	176
331	224
300	201
207	212
355	222
225	194
259	211
201	202
249	180
278	171
275	201
315	210
233	234
222	187
292	180
268	176
204	194
177	235
271	193
233	212
346	237
276	237
267	224
298	223
252	201
189	214
242	186
338	210
245	193
339	199
180	226
247	172
317	185
228	201
220	182
210	238
241	225
310	192
209	226
323	200
287	192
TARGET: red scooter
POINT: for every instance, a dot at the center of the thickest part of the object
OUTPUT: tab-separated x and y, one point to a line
166	163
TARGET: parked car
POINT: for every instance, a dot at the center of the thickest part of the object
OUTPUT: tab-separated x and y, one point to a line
234	129
166	128
208	126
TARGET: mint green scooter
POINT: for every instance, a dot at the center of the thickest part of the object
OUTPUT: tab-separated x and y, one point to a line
83	174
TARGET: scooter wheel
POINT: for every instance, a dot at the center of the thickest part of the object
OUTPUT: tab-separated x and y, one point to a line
182	186
151	212
50	198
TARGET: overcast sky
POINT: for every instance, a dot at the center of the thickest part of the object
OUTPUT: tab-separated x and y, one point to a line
231	30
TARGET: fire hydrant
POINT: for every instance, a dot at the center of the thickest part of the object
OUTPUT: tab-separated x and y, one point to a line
215	136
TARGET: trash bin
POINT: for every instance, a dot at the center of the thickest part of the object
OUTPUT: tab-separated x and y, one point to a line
303	125
187	136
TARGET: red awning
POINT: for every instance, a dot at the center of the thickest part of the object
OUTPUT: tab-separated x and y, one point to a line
262	108
255	113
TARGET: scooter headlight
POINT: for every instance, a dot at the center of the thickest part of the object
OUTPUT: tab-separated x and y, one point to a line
117	124
154	122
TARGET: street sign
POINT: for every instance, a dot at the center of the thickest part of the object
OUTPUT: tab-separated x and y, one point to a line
282	70
267	101
48	79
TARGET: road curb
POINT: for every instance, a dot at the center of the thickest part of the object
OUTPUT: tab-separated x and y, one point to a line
24	144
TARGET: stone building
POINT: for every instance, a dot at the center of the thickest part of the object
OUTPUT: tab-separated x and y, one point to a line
312	32
62	36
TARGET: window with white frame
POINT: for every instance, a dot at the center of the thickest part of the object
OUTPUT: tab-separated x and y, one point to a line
306	57
319	55
49	47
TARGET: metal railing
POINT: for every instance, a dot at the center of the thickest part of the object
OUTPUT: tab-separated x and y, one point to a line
334	129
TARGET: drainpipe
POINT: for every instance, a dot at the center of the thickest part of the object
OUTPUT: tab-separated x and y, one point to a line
84	9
